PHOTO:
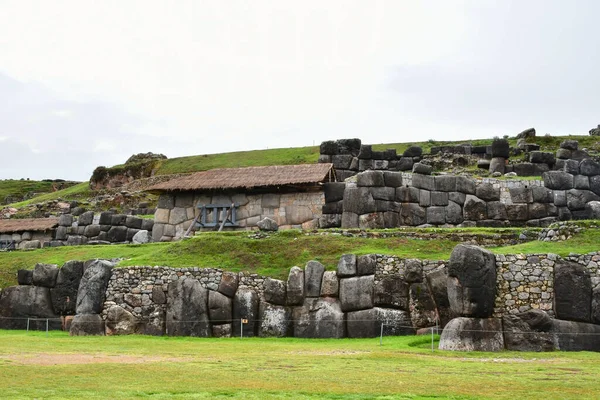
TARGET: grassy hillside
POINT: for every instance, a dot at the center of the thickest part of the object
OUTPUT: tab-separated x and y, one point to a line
274	255
12	188
77	192
288	156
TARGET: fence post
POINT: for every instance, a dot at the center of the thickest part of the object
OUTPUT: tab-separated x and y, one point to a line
27	324
432	339
241	328
46	326
381	335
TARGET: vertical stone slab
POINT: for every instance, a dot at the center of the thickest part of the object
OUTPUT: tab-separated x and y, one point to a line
187	309
295	287
245	307
92	287
313	275
572	292
472	281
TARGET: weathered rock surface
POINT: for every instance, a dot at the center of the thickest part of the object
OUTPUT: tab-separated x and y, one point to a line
87	325
330	284
472	281
228	284
17	303
276	321
367	323
219	308
313	275
64	293
120	322
421	306
572	292
356	293
25	277
575	336
275	290
365	265
245	306
391	291
437	283
346	266
45	275
528	331
295	287
267	224
92	287
187	309
319	318
472	334
141	237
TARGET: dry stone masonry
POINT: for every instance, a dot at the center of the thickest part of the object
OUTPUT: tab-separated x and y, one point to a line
483	302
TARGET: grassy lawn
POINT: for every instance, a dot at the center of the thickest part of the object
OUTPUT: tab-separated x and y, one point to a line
33	365
232	251
275	255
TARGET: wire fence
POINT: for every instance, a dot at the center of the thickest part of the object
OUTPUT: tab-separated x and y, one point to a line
252	327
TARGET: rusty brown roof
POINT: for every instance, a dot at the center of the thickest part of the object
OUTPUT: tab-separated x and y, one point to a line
27	224
250	177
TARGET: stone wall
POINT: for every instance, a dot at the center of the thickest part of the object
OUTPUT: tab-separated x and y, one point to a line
386	199
104	228
350	157
176	212
27	240
353	301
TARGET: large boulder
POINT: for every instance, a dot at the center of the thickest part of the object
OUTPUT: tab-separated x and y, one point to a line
330	284
87	325
275	291
356	293
422	307
575	336
346	266
368	323
500	148
141	237
295	287
472	281
92	287
572	292
437	283
25	277
245	312
64	293
219	308
319	318
391	291
228	284
267	224
558	180
528	331
313	275
119	321
275	321
365	265
18	303
187	309
472	334
474	208
45	275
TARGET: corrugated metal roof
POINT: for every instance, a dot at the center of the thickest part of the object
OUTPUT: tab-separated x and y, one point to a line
251	177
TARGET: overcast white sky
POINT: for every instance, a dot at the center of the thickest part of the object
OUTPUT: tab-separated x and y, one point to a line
88	83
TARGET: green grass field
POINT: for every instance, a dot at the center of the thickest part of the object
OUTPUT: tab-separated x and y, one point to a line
275	255
33	365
